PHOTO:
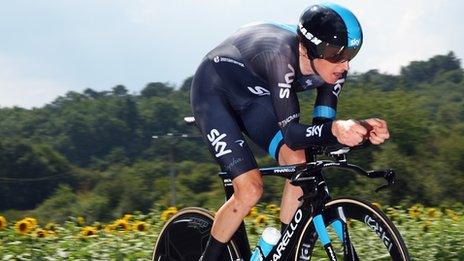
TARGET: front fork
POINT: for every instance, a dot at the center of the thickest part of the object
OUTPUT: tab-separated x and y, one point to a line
318	195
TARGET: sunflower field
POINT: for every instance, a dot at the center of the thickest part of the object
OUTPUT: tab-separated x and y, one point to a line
430	234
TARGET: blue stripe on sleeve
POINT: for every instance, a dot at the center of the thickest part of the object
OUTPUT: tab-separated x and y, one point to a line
324	112
274	143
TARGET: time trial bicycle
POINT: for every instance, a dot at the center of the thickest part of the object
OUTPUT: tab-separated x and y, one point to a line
348	228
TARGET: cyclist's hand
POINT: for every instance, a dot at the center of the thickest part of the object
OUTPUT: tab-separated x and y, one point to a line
377	130
349	132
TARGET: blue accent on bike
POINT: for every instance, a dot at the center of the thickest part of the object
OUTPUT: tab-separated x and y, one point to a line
338	227
289	27
274	143
321	230
351	23
324	112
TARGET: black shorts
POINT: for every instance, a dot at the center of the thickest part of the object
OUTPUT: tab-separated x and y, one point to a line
224	115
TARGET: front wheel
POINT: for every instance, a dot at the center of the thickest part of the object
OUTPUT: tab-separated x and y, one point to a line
368	231
184	237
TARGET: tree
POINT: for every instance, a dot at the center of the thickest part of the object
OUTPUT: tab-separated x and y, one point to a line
29	173
425	71
156	89
120	90
92	93
185	87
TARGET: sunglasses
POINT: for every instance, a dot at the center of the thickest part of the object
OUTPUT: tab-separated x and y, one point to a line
336	54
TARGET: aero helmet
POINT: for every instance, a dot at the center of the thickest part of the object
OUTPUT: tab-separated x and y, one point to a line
331	32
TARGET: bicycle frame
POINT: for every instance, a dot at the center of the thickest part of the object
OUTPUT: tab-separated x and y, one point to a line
315	194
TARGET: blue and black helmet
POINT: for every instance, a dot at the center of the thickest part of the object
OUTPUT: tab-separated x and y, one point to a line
330	31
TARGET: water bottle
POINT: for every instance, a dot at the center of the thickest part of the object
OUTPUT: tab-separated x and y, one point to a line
266	242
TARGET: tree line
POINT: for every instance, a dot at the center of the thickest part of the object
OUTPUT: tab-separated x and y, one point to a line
92	153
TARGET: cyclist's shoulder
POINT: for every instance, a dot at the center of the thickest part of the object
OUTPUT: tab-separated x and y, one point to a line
266	37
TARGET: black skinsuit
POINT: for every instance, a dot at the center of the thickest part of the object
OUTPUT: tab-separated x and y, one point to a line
248	85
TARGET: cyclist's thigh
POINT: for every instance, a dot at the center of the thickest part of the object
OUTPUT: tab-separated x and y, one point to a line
260	122
218	123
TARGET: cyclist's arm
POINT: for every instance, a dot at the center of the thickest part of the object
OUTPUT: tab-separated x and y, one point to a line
280	72
325	107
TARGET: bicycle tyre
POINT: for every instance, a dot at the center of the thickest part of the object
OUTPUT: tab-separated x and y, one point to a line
184	237
373	221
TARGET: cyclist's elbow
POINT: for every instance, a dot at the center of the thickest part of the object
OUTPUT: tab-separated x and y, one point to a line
291	144
290	141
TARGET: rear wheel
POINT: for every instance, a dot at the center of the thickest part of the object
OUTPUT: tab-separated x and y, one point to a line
184	237
371	234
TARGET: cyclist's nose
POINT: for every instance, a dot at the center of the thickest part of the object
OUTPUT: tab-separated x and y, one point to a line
346	65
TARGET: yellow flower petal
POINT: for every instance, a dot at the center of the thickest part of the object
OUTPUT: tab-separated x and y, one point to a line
3	222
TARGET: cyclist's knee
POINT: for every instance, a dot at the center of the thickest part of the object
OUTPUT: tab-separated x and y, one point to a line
288	156
248	188
249	197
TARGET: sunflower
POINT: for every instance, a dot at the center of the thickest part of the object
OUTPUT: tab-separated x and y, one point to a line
455	218
32	222
109	228
253	212
51	233
393	214
80	221
140	226
452	214
449	212
128	217
41	233
273	208
433	213
377	205
391	211
88	231
51	226
23	227
426	226
261	220
168	213
415	211
3	222
121	224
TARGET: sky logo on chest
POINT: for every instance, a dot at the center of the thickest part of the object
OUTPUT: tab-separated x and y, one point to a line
308	82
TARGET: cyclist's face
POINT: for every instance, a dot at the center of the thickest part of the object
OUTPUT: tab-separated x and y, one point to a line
331	72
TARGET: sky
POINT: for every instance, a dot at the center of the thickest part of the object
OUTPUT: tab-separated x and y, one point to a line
50	47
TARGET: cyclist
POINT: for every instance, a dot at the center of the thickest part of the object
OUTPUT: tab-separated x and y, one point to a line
248	85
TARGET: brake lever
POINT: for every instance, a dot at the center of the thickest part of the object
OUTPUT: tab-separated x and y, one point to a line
389	175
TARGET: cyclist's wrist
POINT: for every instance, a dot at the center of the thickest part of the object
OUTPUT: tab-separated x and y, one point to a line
328	133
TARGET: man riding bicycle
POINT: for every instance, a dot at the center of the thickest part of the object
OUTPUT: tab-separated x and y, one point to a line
248	85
